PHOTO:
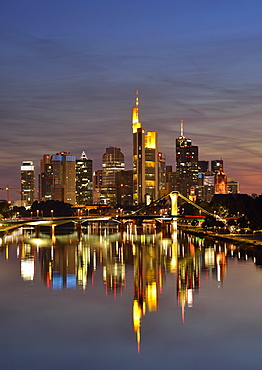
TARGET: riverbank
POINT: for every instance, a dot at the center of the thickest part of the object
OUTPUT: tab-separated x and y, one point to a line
248	240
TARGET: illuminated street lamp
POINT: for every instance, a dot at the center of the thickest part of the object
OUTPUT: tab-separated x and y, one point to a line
52	213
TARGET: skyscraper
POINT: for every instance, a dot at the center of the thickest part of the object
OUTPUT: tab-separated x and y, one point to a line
46	178
27	183
215	165
113	161
151	165
84	181
145	160
124	188
162	178
97	186
64	170
138	156
221	181
186	161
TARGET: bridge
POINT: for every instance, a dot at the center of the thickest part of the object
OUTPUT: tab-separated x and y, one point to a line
138	215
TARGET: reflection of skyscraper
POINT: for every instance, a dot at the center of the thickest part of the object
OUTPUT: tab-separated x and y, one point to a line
27	183
27	262
188	278
147	274
84	183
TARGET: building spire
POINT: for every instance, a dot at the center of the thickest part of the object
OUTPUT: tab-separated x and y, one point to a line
182	127
83	156
135	117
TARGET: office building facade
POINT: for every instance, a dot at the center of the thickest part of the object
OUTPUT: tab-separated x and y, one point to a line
27	183
186	162
84	180
64	171
113	161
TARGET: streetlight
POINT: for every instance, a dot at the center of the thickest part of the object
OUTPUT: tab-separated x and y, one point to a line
37	213
52	213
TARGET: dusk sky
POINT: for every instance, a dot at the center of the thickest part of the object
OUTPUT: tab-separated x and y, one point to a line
69	72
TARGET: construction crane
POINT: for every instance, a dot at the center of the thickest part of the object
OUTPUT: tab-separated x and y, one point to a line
7	188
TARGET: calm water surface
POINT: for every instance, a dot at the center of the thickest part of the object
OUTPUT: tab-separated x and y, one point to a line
109	299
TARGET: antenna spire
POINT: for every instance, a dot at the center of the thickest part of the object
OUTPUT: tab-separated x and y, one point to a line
137	102
182	127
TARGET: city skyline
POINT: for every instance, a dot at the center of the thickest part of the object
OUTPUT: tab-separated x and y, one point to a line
69	75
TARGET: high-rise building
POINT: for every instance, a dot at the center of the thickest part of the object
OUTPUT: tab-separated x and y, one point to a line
216	164
151	165
233	186
97	185
27	183
124	188
84	180
221	181
46	178
206	188
64	170
113	161
162	179
203	166
138	156
186	161
145	160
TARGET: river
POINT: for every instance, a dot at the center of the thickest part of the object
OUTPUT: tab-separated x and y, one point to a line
111	299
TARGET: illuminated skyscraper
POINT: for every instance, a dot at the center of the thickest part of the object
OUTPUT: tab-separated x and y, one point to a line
216	164
113	161
46	178
27	183
186	161
84	182
151	165
221	181
138	156
64	170
162	178
97	185
145	160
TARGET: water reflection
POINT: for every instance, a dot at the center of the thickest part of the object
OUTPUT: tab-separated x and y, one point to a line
74	261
